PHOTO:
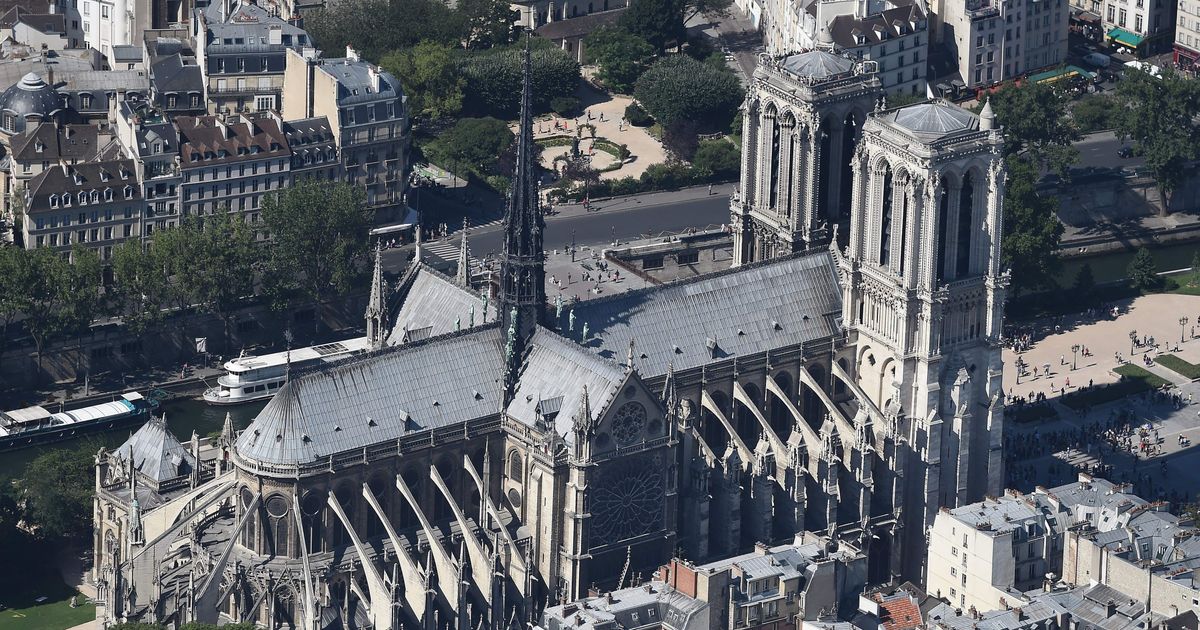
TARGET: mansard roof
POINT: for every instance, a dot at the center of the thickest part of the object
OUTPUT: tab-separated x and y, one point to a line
378	397
742	311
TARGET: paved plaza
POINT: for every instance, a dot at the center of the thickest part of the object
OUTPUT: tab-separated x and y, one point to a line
1050	450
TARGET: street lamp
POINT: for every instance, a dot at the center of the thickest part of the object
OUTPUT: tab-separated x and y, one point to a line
1132	341
1074	355
1183	322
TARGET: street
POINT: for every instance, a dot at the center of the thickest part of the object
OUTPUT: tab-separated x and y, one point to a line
621	217
1099	150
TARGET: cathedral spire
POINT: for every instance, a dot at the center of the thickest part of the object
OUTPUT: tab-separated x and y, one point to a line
377	306
522	291
464	259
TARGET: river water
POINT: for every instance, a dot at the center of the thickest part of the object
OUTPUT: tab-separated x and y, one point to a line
184	415
1111	266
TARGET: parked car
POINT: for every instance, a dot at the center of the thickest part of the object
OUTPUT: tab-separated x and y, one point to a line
1125	153
1097	60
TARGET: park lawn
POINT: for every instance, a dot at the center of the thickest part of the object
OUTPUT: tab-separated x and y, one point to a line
1175	364
39	577
1135	380
51	615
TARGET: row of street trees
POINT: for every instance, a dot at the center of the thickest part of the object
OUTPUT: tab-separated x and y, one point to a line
317	248
1040	126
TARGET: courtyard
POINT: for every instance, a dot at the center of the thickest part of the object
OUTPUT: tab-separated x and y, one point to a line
1075	356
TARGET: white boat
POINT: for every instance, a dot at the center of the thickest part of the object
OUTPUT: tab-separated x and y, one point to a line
248	379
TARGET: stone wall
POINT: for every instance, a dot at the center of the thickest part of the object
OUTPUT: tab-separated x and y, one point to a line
1085	562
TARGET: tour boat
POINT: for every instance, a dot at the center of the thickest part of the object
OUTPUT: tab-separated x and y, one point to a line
251	378
36	425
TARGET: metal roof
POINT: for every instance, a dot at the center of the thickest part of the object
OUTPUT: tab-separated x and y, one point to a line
436	302
156	453
931	120
817	64
555	373
742	311
378	397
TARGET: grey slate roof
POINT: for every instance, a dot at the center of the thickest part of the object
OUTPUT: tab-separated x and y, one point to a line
432	305
931	120
378	397
556	371
650	605
817	64
156	453
744	311
355	84
30	95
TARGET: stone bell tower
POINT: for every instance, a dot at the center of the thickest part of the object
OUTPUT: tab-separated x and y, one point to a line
801	121
923	300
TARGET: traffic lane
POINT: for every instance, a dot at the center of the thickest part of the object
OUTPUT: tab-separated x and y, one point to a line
1101	150
622	218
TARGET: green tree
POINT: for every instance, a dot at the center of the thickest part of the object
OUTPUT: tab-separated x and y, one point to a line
679	88
718	160
1095	112
212	261
472	145
711	8
136	625
60	297
622	57
141	288
429	74
1143	271
681	139
374	27
12	284
1031	230
319	236
494	79
57	487
1158	114
659	22
1037	125
488	22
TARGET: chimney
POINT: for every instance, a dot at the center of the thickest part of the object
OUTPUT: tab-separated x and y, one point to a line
373	72
351	54
1110	609
761	548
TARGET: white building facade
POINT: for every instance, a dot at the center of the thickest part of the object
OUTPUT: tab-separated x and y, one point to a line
1187	34
108	23
892	33
1000	40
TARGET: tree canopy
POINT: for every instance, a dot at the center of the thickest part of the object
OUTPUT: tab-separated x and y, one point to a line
1031	230
59	297
141	288
622	57
57	487
659	22
374	27
718	159
429	74
474	145
494	78
678	88
1037	125
319	236
1143	271
1158	114
488	23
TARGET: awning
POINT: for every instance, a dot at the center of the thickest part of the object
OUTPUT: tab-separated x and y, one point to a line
1125	38
1085	16
1065	72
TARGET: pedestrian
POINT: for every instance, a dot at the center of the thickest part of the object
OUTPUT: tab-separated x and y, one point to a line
710	189
1062	359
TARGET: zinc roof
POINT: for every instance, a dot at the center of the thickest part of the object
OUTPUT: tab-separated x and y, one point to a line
432	305
742	311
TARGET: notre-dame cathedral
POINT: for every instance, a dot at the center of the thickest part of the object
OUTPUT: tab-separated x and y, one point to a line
495	454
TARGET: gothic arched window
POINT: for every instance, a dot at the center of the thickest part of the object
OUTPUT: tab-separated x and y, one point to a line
515	469
885	217
943	236
966	207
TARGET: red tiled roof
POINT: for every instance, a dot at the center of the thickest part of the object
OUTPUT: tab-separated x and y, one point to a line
899	613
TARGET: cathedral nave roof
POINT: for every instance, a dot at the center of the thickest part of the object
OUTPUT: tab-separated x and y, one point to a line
433	304
743	311
379	397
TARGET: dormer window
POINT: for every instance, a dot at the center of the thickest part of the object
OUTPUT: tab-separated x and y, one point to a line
105	176
129	192
77	178
40	146
66	199
85	101
95	196
195	156
53	201
82	198
108	194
